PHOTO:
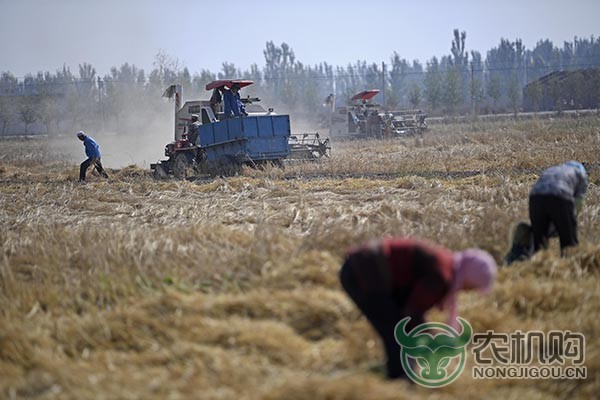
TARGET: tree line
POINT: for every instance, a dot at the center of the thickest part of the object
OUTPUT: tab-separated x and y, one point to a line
460	82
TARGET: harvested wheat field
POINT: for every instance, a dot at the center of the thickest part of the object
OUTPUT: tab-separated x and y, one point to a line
227	288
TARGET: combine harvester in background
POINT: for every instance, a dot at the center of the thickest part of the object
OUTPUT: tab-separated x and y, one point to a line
365	119
224	145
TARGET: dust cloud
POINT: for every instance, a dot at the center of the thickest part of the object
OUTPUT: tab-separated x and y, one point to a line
139	139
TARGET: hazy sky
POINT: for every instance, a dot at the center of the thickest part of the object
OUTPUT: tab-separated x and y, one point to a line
42	35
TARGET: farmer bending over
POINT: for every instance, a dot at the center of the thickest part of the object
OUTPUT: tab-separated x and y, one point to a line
396	278
555	199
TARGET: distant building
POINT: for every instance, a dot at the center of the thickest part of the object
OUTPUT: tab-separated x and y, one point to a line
562	90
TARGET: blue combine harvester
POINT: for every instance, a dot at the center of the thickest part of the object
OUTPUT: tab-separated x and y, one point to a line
224	145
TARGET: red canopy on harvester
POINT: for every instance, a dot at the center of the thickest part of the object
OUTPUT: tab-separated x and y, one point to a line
366	95
229	83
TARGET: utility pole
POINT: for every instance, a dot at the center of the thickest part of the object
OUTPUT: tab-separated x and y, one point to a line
383	83
100	87
472	89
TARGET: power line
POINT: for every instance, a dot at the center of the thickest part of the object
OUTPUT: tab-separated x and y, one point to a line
563	61
376	74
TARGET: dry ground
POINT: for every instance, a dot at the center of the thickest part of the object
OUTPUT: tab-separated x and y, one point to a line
227	288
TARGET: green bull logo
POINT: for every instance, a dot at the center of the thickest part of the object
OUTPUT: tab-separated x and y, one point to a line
433	353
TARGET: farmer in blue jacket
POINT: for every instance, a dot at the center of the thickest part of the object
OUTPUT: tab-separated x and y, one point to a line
555	199
92	151
232	103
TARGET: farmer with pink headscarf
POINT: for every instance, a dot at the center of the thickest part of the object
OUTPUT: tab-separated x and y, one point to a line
394	278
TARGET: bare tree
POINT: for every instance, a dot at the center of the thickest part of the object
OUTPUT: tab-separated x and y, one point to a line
48	112
167	67
7	111
452	95
415	96
229	71
27	111
494	89
433	83
514	93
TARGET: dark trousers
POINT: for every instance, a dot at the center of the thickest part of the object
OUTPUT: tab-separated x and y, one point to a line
86	164
543	210
378	303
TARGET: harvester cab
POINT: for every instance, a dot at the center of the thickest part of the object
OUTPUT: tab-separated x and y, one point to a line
353	121
219	88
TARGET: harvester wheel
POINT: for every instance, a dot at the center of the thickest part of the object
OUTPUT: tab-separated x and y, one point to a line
159	172
182	167
230	166
325	148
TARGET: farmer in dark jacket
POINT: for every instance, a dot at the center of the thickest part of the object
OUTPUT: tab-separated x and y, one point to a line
396	278
193	128
555	199
92	151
